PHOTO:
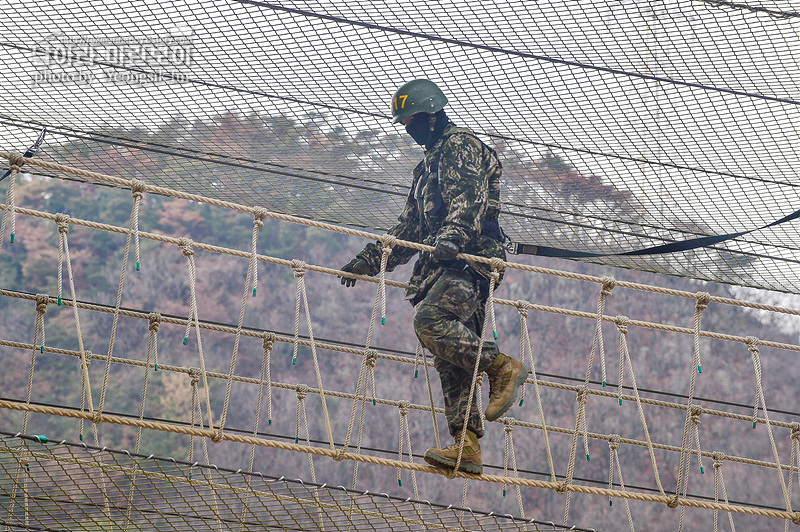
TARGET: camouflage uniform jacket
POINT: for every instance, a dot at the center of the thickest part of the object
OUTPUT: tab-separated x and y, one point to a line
455	195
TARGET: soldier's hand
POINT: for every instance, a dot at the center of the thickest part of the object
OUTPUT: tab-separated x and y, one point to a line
358	266
445	250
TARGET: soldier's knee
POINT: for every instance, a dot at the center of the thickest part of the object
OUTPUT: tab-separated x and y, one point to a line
427	321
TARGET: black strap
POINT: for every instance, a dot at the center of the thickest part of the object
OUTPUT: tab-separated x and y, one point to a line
672	247
30	152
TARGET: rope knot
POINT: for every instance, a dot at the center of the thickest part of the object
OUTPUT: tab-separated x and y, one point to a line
269	340
97	417
194	373
217	437
302	391
389	241
41	303
405	408
15	160
155	321
298	267
497	264
137	188
370	357
259	215
186	246
613	443
673	502
795	430
522	307
718	458
752	343
694	414
508	424
561	488
622	323
796	518
703	298
339	456
608	285
62	221
582	394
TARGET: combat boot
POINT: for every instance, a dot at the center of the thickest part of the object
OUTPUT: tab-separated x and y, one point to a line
506	375
470	457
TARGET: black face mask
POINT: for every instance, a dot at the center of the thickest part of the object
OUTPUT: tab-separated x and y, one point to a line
419	129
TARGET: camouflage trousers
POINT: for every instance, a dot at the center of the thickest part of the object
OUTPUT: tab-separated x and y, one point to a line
448	322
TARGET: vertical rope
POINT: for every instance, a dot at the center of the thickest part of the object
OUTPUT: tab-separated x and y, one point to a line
9	213
608	285
694	436
41	308
794	462
613	446
525	345
752	345
137	190
430	398
194	381
299	269
497	266
186	246
703	299
622	325
719	481
405	407
388	242
62	222
252	266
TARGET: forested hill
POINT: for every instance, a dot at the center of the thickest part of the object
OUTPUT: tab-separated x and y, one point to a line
561	346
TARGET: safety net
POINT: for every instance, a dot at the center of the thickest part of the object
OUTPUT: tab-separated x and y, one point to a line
621	125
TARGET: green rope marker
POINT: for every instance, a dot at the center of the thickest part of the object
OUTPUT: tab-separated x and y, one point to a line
699	368
754	425
137	266
520	402
416	373
504	492
610	502
59	301
399	482
186	340
604	384
383	321
190	475
41	349
12	238
42	439
297	439
483	432
294	359
702	471
373	402
269	422
495	334
156	367
254	292
588	458
620	402
80	436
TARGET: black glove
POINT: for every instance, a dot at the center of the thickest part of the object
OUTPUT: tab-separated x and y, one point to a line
358	266
445	250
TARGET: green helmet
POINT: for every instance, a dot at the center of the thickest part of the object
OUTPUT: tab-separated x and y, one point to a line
417	96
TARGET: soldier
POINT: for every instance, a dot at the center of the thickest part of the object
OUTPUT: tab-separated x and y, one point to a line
453	205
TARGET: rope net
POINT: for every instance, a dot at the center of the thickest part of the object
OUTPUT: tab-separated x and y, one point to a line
620	125
79	487
185	378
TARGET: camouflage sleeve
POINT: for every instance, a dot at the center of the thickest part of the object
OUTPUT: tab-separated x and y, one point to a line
464	185
407	228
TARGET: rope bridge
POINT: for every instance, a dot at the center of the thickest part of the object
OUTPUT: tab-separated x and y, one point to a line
35	498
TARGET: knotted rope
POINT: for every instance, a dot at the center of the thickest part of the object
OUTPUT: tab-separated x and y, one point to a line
9	213
388	242
719	458
299	270
404	407
752	346
613	447
508	440
186	246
